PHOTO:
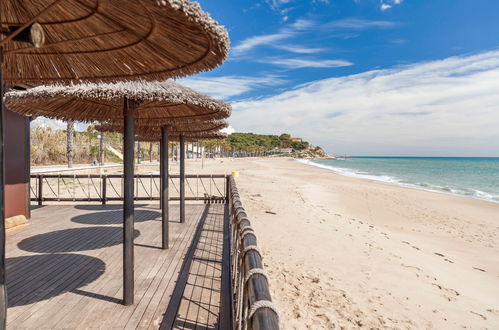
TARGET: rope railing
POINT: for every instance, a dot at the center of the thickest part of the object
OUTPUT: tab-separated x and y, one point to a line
252	303
108	187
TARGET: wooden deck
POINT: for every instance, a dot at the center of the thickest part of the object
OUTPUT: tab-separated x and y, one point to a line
64	270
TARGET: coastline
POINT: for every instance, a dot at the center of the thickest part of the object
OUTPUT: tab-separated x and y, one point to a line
353	253
390	180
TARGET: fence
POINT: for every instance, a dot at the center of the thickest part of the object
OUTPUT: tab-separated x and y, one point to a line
104	188
252	307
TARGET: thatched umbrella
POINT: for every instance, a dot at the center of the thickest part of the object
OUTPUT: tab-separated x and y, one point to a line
196	130
102	41
108	40
164	137
124	105
157	103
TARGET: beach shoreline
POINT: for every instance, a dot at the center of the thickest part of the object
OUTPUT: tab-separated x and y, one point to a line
345	252
351	172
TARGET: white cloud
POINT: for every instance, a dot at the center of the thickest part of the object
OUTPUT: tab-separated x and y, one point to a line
387	4
262	40
300	49
298	63
228	130
446	107
359	24
56	124
271	39
229	86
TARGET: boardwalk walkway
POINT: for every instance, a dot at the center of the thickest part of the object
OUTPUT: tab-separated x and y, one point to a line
64	270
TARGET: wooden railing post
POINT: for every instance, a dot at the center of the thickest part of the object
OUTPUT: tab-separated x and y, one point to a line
40	189
182	178
104	189
128	201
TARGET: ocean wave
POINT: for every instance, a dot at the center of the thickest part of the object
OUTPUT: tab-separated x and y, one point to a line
474	193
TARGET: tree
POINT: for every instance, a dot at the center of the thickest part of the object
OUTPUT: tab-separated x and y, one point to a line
139	152
70	142
285	140
101	149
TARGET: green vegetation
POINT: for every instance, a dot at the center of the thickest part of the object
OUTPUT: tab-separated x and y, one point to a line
48	146
258	142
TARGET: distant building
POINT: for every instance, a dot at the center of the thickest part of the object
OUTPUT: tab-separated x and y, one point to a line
294	139
286	150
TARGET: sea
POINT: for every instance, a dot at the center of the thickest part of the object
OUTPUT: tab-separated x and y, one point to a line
465	176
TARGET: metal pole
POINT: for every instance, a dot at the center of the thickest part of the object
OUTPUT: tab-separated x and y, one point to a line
182	179
128	204
3	289
164	185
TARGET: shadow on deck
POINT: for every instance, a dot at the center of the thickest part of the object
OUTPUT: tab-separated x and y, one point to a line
64	270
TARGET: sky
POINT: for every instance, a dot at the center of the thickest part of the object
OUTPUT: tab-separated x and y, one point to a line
363	77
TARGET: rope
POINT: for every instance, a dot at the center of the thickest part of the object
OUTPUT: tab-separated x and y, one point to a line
248	233
251	248
245	228
239	220
262	304
255	271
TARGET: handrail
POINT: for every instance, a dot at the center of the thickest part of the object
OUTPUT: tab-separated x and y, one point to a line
83	188
253	307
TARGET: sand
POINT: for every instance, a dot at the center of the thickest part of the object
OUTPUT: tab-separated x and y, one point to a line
351	253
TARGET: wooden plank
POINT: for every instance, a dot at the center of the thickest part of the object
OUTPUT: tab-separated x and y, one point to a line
94	305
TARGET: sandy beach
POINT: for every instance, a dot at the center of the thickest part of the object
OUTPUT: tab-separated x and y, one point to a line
351	253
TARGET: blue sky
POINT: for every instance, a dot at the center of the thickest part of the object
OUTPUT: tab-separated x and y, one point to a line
363	77
294	42
387	59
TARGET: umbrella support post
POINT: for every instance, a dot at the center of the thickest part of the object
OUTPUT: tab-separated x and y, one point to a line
128	203
182	178
3	289
164	186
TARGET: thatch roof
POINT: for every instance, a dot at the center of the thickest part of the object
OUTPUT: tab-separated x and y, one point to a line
194	136
159	103
175	129
112	40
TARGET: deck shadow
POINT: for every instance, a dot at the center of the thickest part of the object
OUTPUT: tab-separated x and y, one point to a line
76	239
113	217
40	277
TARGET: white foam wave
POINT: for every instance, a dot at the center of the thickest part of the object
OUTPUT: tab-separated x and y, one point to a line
474	193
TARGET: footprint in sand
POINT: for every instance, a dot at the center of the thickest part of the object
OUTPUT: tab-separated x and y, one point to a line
482	270
482	316
450	294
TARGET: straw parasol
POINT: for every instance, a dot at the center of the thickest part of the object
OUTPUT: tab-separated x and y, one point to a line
192	136
109	40
92	40
174	129
157	103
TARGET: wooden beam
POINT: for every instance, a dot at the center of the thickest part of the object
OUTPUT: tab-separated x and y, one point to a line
128	203
182	179
3	289
165	180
